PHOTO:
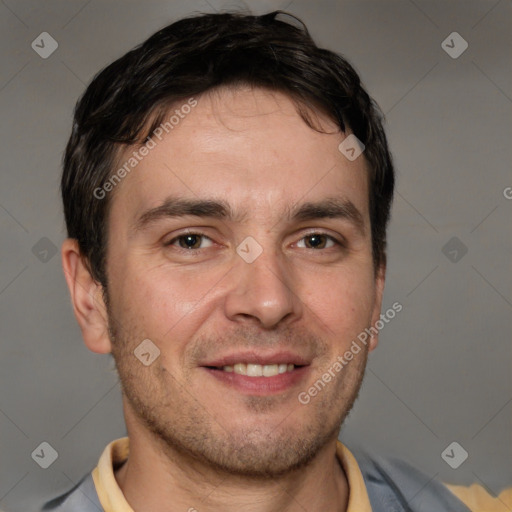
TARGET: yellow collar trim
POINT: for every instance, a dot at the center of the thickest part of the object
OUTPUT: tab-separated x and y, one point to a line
113	500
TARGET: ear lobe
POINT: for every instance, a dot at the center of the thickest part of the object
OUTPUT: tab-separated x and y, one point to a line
87	299
379	291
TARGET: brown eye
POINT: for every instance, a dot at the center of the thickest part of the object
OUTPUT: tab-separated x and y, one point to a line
317	241
191	241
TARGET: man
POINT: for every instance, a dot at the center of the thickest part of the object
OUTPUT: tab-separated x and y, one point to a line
227	187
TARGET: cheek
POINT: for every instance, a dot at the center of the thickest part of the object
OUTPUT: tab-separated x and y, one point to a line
165	304
343	301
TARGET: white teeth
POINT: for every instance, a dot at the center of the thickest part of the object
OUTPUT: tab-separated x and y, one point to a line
258	370
240	368
254	370
269	370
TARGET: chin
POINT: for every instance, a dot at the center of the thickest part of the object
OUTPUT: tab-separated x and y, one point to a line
254	453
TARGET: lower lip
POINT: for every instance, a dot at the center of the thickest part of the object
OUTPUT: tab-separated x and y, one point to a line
260	385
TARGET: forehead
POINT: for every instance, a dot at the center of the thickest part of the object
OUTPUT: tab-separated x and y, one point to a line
248	147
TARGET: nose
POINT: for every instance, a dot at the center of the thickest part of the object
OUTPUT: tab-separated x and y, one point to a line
263	292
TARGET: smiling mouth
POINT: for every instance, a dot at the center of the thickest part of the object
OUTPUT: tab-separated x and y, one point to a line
256	370
274	377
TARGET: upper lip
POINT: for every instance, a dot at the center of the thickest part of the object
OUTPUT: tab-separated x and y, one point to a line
252	357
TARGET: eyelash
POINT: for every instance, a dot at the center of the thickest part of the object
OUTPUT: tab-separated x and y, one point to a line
203	236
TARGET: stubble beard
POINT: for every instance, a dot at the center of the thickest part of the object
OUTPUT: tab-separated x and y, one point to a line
183	427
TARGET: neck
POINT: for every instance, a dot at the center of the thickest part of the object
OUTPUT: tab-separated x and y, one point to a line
160	478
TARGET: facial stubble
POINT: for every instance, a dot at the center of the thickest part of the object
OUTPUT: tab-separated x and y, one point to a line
186	427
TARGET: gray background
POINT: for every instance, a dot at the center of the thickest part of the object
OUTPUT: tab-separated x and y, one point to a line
442	370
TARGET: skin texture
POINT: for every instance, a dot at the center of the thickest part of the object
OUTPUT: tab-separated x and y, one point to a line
196	441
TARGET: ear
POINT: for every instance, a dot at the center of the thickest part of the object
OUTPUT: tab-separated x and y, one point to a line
87	298
379	291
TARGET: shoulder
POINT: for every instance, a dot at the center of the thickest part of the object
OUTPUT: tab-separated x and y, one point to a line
394	485
81	498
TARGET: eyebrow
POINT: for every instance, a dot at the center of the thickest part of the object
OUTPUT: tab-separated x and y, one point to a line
178	207
173	207
332	208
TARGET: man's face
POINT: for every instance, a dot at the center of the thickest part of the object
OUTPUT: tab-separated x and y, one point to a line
275	270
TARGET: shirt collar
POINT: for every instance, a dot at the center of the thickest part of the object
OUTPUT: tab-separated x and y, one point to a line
113	500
